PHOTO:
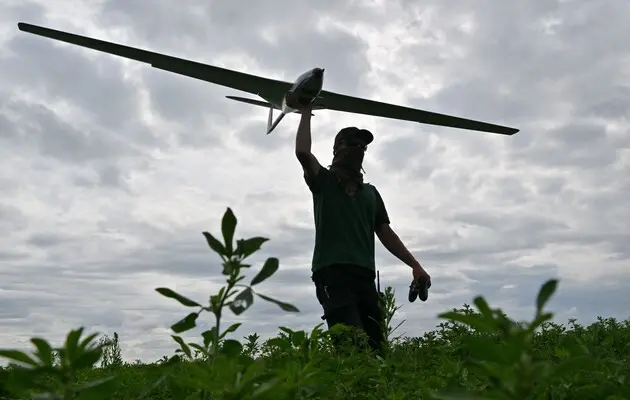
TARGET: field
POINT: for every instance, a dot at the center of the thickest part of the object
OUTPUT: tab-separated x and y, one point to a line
476	353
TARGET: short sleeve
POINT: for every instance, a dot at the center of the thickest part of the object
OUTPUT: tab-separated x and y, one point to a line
381	211
315	184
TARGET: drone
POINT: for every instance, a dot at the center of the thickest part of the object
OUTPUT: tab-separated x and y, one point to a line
286	97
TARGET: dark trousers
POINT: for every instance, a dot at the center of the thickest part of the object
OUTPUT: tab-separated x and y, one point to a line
349	296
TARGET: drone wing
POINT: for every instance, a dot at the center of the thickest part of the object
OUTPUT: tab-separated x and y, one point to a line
264	87
341	102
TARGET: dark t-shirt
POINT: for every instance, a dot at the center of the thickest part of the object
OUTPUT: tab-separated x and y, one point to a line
344	225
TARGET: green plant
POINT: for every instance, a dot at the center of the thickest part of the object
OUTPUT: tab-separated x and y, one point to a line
52	372
112	354
246	377
224	371
502	351
233	258
389	310
473	353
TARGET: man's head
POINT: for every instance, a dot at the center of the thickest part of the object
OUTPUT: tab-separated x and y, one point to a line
348	152
350	146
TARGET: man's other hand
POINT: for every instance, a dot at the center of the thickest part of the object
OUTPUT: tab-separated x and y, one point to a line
420	276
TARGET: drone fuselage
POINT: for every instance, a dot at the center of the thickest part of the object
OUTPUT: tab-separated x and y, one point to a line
304	91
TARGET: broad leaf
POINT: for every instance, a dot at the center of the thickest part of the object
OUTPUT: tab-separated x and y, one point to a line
546	291
228	226
242	301
173	295
20	357
183	345
44	351
87	359
72	343
215	244
483	306
231	329
268	269
198	347
284	306
248	247
88	340
185	324
476	322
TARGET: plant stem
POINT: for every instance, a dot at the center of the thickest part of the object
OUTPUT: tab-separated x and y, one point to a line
215	342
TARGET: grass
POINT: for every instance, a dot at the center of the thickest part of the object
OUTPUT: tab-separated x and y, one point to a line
475	353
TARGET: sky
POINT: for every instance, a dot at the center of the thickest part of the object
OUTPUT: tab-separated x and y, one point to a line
111	170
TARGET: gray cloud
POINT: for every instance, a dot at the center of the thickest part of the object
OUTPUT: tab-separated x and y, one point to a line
112	101
58	138
110	170
287	43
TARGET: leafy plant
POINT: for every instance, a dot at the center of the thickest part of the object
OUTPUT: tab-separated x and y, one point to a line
473	353
112	354
245	377
389	310
233	258
502	351
53	371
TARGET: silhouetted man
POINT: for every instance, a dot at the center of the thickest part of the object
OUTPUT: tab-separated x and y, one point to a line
348	212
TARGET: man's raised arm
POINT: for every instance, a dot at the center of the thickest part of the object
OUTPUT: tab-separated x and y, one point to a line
309	163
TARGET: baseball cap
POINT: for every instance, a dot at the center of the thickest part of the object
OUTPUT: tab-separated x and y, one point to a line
352	133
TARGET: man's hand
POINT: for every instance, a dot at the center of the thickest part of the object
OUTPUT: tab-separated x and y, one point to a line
420	276
420	284
307	109
293	102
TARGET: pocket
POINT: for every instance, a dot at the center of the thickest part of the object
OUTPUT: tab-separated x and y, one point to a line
335	296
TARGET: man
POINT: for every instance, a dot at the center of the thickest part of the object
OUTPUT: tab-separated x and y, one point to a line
348	212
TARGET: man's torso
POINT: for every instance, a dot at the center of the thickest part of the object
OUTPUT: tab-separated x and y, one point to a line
344	225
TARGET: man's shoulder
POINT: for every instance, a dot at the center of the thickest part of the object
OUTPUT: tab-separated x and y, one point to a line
319	182
325	172
370	186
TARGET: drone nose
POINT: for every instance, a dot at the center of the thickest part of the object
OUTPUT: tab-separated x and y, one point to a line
319	72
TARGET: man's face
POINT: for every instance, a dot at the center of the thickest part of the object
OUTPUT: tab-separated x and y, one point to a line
350	144
348	154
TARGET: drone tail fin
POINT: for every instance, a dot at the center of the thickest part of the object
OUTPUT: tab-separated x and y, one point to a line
252	101
271	126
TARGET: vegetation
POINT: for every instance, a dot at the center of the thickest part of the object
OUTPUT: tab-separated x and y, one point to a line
474	354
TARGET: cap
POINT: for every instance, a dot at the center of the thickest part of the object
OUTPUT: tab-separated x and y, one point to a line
352	133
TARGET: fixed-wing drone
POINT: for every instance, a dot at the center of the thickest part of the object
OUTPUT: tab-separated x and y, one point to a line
284	96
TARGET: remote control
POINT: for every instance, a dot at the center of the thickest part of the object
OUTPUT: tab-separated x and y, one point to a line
419	290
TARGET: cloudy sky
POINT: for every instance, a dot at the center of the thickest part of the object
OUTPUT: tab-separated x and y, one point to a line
110	170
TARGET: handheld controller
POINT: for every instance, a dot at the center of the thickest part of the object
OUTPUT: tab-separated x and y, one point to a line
421	290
